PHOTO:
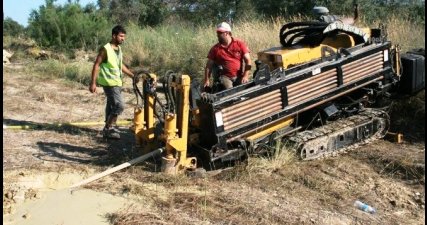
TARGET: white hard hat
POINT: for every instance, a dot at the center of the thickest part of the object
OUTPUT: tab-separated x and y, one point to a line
223	27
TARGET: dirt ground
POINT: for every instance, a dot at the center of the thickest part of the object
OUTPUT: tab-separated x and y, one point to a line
41	163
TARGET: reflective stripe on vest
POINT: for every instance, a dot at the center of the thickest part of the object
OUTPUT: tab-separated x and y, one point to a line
110	73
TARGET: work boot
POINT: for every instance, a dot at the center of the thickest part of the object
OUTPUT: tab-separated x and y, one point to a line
116	129
110	133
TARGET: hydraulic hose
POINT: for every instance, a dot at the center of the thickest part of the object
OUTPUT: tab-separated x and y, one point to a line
79	124
302	30
169	92
136	90
314	32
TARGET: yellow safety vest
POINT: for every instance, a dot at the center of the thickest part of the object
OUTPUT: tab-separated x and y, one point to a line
110	73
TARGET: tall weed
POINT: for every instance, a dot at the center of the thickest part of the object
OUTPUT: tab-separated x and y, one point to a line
54	69
183	47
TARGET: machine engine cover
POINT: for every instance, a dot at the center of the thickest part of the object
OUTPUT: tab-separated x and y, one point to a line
413	75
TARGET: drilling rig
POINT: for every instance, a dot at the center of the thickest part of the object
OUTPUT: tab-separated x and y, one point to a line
324	91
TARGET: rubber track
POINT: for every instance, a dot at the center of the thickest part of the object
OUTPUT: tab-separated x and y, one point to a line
368	114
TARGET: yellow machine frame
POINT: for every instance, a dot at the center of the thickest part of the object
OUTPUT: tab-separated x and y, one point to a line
144	120
287	57
175	133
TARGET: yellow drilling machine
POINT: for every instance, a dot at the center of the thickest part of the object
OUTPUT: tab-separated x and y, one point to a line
324	90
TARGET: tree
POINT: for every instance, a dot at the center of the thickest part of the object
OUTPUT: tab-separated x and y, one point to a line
12	28
141	12
208	11
69	26
279	8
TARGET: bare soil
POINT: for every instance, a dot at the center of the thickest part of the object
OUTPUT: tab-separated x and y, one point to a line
39	164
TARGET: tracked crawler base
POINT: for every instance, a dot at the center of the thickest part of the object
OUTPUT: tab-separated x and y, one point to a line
341	135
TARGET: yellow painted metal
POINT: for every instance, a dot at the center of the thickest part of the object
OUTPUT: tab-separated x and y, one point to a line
77	124
170	126
170	134
397	61
83	124
279	57
176	133
282	123
339	41
149	116
367	31
138	121
144	121
287	57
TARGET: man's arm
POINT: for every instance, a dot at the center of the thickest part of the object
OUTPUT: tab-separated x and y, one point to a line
102	56
208	72
248	66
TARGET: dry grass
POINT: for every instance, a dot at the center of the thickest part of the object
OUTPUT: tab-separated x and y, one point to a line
134	215
408	116
52	69
281	157
183	48
407	164
404	33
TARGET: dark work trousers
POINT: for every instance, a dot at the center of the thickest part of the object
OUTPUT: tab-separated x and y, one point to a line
229	82
115	104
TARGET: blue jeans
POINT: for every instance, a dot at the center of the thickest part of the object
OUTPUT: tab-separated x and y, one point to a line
115	104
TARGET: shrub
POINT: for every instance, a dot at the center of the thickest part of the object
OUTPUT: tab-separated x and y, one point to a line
68	27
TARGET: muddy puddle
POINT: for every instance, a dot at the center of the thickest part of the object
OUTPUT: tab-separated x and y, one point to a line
47	199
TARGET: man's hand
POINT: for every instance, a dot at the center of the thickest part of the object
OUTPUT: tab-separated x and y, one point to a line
92	87
245	79
206	83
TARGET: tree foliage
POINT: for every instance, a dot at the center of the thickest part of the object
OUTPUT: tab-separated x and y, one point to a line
12	28
208	11
69	26
74	26
141	12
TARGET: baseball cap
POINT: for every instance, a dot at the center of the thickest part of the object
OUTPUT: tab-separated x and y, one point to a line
223	27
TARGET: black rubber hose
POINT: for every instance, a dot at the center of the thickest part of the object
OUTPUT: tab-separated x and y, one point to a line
173	91
156	100
136	90
303	29
166	89
304	34
169	92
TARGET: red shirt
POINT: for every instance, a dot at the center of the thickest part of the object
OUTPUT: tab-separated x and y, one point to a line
230	58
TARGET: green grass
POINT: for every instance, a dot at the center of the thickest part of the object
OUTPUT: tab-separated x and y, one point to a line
54	69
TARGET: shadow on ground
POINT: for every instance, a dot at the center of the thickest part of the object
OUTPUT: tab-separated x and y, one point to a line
104	152
60	128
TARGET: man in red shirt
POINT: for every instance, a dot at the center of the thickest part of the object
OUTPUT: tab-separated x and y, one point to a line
228	54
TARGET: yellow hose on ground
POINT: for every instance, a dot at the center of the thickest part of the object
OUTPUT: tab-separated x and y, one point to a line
78	124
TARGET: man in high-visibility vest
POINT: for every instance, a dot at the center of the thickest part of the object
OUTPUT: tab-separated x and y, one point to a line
108	72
